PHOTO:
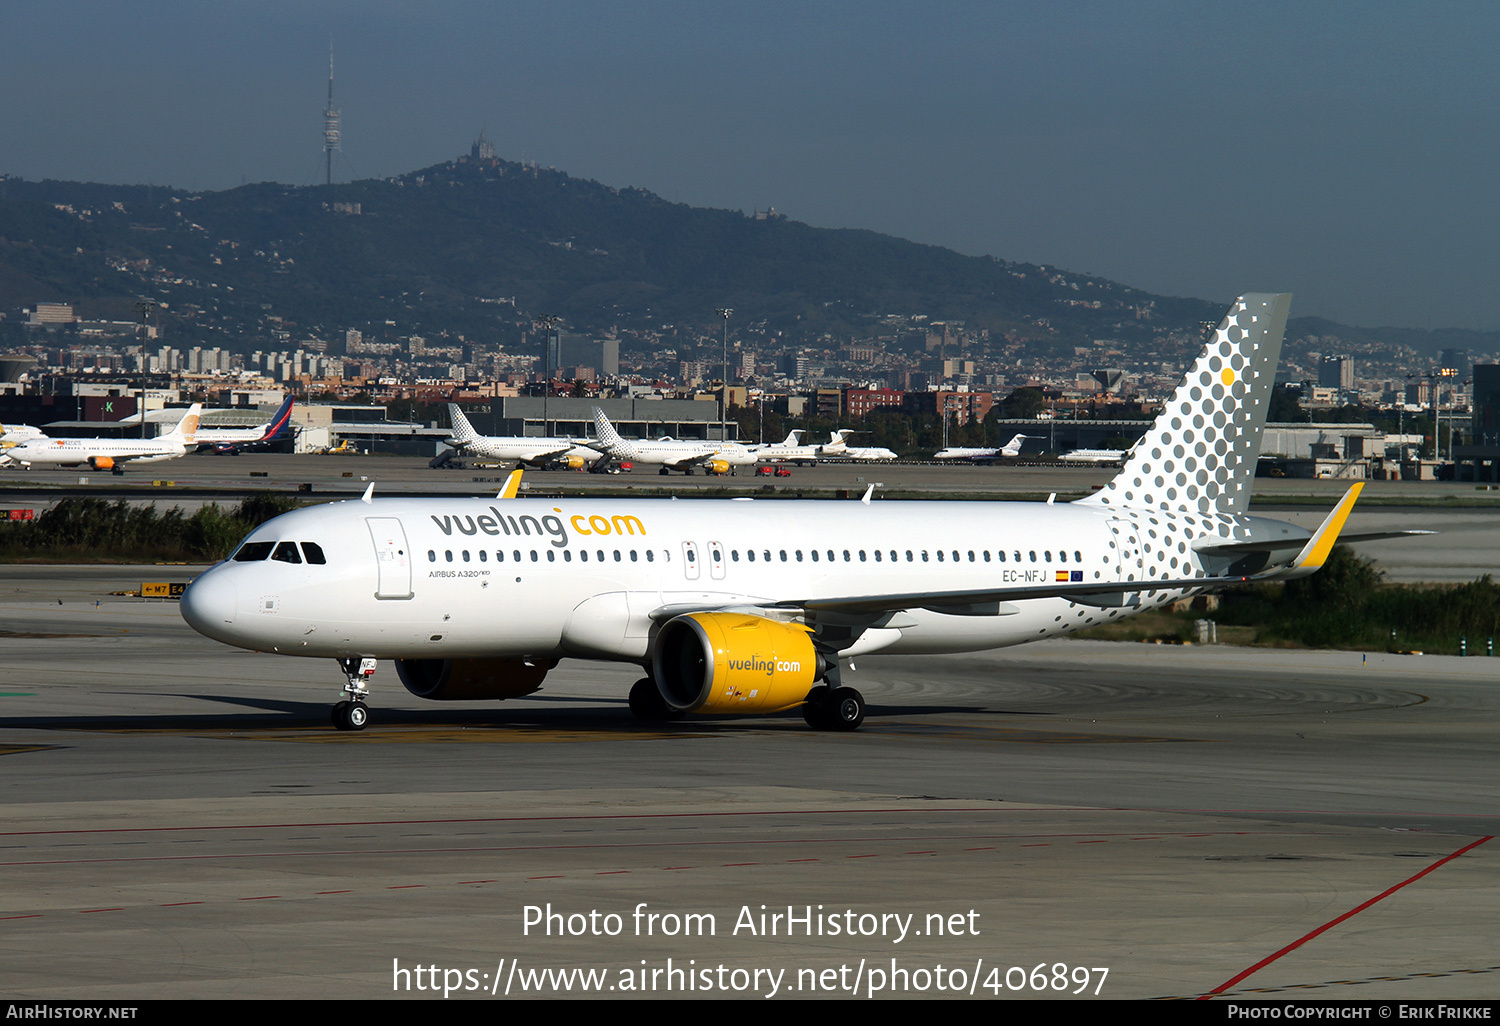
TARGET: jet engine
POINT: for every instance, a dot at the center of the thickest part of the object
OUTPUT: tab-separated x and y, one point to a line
101	463
446	680
575	462
734	662
717	466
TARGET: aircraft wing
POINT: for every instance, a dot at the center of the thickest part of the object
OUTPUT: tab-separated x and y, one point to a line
1106	594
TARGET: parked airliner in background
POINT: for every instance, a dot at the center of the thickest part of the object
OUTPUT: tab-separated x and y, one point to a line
278	428
527	452
110	453
755	606
1009	450
669	453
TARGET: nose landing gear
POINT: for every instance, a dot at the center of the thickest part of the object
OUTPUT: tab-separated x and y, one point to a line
352	713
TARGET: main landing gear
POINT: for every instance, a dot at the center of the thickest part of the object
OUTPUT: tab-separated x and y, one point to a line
352	713
834	708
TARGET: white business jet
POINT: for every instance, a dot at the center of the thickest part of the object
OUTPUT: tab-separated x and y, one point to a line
753	606
1010	450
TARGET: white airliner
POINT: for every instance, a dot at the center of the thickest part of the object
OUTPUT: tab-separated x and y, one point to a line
1009	450
109	453
529	452
670	453
753	606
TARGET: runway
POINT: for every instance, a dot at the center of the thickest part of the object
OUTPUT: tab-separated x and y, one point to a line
181	821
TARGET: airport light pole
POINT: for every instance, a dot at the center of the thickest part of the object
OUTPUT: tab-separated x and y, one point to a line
144	308
724	312
547	323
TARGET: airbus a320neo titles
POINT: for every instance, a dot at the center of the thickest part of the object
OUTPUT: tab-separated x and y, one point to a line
755	606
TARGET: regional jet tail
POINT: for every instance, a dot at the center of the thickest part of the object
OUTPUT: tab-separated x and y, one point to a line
741	606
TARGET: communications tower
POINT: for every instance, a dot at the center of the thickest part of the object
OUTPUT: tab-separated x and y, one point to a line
330	123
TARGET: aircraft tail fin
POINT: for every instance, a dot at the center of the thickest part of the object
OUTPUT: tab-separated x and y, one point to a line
606	432
187	427
281	423
1200	454
463	431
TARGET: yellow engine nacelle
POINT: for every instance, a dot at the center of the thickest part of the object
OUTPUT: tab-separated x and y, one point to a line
717	466
734	662
101	463
445	680
575	462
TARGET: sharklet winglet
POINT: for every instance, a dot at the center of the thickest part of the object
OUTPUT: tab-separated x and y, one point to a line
512	485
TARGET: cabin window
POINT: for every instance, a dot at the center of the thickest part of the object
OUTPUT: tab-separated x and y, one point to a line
924	555
861	555
632	555
734	554
1048	555
448	554
1033	555
534	557
650	555
1077	556
466	555
499	555
908	555
799	555
877	555
1000	555
567	555
814	555
484	557
551	556
940	555
846	555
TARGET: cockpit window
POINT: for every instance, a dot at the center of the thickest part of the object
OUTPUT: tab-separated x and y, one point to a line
253	552
286	552
314	552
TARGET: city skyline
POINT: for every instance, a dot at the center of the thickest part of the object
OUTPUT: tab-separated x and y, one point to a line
1340	152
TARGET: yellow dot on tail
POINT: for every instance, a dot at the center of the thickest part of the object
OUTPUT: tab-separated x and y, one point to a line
1227	377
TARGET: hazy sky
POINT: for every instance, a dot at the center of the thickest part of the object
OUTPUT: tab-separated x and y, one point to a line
1347	152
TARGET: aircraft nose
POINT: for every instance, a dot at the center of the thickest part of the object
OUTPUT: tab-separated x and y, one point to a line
209	605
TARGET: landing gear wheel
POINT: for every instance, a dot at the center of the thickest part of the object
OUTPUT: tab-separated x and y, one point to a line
647	704
350	716
846	710
664	472
815	710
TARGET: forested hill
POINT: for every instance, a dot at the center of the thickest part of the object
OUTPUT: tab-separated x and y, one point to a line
436	249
